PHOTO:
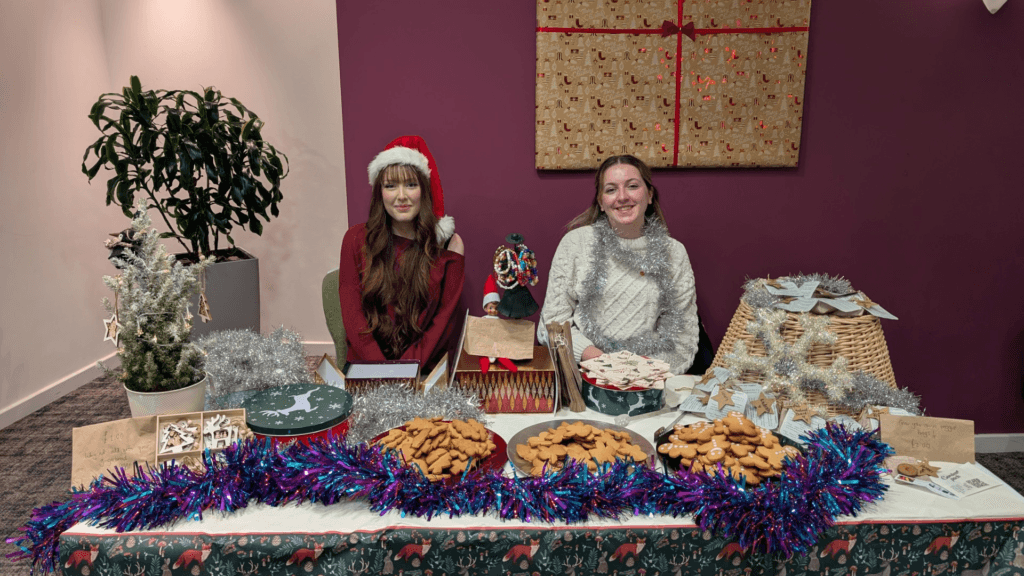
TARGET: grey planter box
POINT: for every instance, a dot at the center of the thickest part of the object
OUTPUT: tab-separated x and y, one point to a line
233	292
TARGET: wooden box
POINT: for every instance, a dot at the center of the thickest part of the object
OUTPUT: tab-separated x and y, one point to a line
196	420
367	375
531	389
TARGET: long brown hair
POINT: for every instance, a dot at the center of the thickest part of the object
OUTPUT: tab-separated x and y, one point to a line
591	214
403	286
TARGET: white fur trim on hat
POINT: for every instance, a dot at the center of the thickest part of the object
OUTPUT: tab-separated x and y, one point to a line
398	155
491	297
445	228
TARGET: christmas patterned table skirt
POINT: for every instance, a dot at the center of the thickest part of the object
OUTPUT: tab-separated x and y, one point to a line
964	547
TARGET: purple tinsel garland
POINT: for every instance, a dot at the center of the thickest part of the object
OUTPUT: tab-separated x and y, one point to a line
839	472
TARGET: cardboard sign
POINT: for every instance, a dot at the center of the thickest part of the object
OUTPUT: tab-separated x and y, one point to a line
940	439
101	447
512	339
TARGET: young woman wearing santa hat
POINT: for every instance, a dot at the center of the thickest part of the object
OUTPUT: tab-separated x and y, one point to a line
401	273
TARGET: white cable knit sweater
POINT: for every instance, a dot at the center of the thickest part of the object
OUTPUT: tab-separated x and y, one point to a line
629	305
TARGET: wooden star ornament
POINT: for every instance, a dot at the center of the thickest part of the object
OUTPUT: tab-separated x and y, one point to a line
703	396
724	398
864	302
111	327
764	405
924	468
204	309
803	413
708	377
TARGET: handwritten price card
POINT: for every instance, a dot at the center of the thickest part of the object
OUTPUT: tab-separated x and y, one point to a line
939	439
98	448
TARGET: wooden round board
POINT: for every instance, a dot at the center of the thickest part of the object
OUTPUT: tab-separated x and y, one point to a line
496	461
525	434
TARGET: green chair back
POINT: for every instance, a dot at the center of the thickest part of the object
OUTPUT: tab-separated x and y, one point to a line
332	314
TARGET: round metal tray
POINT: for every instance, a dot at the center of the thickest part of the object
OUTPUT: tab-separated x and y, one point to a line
526	433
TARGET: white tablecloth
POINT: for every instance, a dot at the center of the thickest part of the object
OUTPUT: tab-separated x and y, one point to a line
902	503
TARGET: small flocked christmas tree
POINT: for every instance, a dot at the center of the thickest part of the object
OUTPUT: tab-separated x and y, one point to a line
151	319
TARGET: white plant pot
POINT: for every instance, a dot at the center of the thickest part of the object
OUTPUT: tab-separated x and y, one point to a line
187	399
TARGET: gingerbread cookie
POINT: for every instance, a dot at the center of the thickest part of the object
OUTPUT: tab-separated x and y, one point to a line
441	449
549	450
732	445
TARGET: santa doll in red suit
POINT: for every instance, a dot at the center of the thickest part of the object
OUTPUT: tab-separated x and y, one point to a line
491	300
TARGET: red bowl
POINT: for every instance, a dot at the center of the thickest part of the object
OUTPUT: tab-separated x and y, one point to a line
496	461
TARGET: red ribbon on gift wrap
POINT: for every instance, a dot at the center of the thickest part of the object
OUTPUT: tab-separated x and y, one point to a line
667	29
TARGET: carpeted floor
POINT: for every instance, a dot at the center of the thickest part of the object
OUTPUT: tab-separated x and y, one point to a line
35	456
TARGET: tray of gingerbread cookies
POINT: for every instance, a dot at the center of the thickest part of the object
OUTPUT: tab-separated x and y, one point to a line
446	449
545	447
742	449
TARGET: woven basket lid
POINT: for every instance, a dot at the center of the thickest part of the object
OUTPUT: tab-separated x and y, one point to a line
297	409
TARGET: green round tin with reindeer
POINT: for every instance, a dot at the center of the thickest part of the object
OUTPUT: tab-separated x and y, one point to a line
299	412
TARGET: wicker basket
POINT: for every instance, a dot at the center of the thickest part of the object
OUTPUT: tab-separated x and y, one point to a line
860	340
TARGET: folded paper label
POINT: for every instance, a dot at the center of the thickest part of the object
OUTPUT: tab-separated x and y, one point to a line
498	338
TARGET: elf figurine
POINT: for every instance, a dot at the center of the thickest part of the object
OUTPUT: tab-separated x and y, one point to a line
516	268
491	300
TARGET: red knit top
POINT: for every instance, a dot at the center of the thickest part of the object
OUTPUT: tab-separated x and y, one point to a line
446	277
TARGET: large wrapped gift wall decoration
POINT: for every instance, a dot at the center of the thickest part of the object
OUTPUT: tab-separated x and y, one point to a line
619	76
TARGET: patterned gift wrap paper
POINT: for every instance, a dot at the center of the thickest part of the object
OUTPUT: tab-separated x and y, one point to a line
620	77
531	389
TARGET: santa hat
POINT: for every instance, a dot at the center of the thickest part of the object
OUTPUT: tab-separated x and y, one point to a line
490	291
413	151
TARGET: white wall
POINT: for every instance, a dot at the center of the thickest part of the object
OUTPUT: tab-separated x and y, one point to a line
279	58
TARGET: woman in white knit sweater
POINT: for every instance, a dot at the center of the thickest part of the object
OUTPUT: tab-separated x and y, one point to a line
618	277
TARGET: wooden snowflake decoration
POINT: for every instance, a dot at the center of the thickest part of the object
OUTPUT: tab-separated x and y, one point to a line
786	369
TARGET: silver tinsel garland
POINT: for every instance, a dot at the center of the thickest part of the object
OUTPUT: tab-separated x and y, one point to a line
786	368
787	371
756	296
378	410
239	361
866	390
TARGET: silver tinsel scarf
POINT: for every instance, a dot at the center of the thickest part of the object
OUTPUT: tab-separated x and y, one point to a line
378	410
239	361
653	262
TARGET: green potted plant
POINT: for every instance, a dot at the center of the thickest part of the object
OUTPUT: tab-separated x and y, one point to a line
200	160
161	368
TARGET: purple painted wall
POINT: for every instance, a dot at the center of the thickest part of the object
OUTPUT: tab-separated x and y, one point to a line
908	182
